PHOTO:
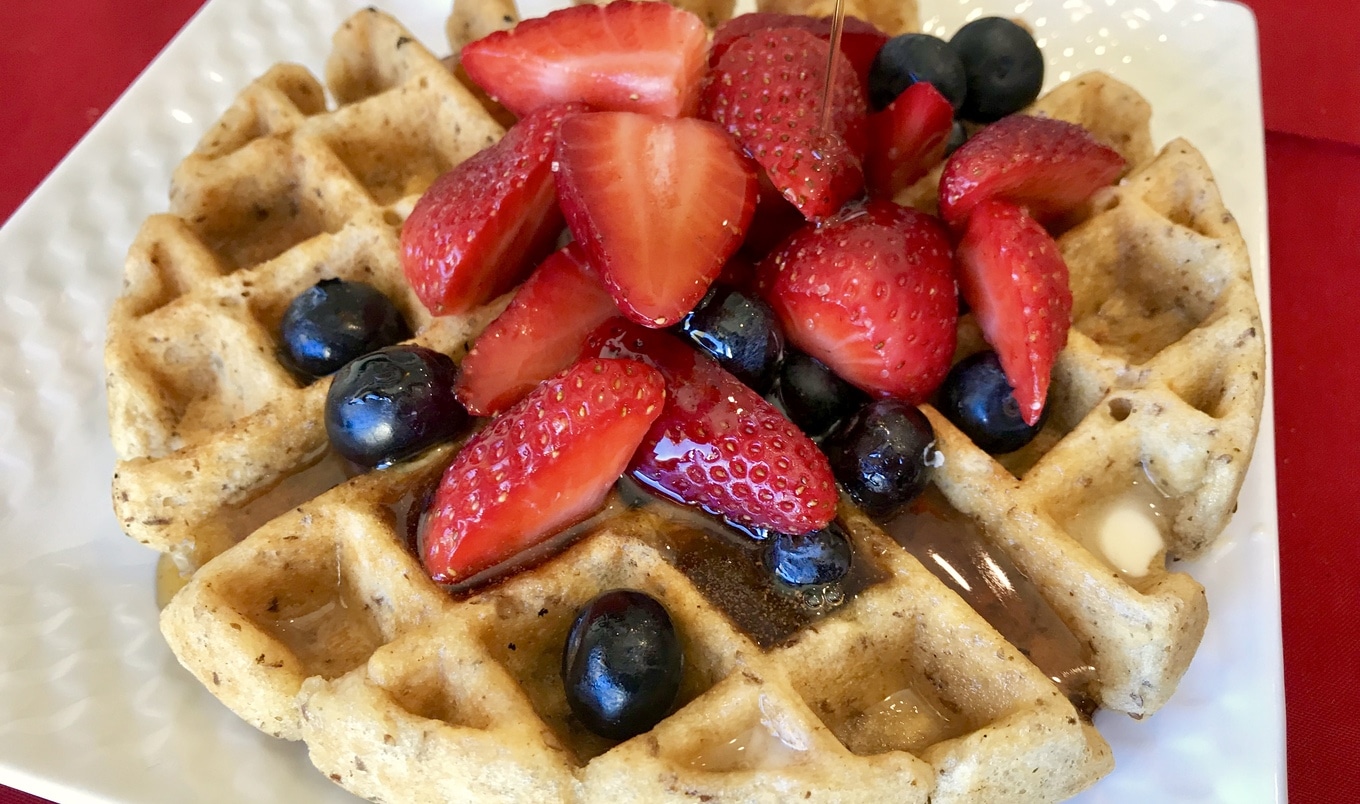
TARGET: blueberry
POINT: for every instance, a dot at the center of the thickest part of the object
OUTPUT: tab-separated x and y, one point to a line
334	321
814	559
740	331
813	396
391	404
958	135
909	58
1004	68
622	663
979	401
883	455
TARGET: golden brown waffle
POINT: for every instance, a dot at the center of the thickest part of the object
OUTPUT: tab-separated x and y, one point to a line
321	625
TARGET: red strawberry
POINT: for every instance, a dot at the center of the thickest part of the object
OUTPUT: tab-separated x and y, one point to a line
1048	166
767	91
480	227
871	294
1013	276
545	464
538	335
718	445
907	139
657	204
860	40
625	56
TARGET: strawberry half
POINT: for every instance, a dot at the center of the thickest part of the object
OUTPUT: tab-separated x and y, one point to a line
545	464
1013	276
907	139
657	204
538	335
1047	166
624	56
766	90
480	227
720	446
860	40
871	294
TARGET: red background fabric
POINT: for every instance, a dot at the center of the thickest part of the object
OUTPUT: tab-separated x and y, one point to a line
64	62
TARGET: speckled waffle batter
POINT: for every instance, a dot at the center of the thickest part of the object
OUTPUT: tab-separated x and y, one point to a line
308	615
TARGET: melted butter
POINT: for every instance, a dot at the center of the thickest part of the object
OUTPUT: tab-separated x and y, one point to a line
910	719
1126	531
762	746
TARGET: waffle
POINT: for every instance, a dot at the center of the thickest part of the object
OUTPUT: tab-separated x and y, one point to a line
306	612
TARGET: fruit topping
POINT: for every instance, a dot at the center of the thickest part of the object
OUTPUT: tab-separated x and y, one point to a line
814	559
912	58
813	396
480	227
718	445
766	90
538	335
1047	166
979	401
392	404
624	56
1003	65
871	294
334	321
658	205
883	456
860	40
1013	276
958	135
545	464
740	331
622	664
907	139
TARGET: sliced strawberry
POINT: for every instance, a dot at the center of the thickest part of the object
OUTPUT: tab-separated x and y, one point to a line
871	294
657	204
720	446
1013	276
767	91
860	40
907	139
538	335
545	464
483	225
624	56
1047	166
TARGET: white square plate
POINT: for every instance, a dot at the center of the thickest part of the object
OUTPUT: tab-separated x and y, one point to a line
94	708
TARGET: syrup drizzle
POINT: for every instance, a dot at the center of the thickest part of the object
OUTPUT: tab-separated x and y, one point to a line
837	23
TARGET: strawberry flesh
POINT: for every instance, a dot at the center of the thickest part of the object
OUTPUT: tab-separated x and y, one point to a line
1048	166
544	465
907	139
871	294
1012	274
624	56
657	204
483	225
766	90
720	446
538	335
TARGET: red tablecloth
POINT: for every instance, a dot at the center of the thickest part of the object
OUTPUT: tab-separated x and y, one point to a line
63	62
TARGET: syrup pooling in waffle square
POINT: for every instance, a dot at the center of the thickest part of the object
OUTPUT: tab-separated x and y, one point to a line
317	621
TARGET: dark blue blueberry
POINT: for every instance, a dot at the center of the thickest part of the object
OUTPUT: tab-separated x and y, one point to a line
740	331
813	396
814	559
622	663
391	404
958	135
883	455
979	401
909	58
1003	65
335	321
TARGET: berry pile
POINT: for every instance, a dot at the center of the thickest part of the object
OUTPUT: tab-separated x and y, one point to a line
737	286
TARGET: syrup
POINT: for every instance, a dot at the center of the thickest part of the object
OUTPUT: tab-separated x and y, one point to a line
762	746
910	719
1126	530
951	547
324	624
169	580
319	474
